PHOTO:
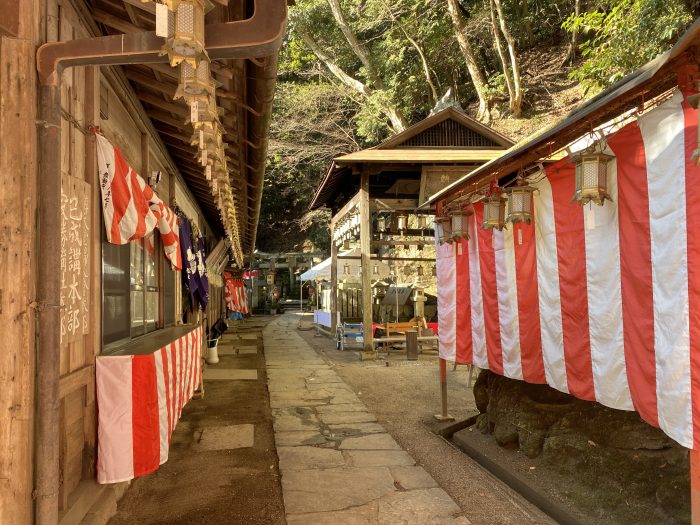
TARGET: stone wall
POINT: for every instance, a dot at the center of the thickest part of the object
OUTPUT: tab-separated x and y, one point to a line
614	453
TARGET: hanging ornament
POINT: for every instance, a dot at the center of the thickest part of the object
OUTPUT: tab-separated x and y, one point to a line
186	35
459	224
520	201
591	177
443	228
494	208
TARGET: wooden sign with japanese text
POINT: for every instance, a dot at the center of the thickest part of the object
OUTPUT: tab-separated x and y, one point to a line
75	257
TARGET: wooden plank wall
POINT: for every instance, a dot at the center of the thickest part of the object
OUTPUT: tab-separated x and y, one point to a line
79	107
18	208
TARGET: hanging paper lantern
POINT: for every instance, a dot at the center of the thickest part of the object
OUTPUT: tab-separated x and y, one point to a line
591	177
520	202
494	212
186	35
401	222
459	224
443	227
422	222
381	224
195	81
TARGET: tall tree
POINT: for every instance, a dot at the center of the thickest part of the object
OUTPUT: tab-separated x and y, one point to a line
459	24
516	99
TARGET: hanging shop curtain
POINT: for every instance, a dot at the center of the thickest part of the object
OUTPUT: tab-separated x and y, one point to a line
132	210
195	275
235	295
602	302
140	399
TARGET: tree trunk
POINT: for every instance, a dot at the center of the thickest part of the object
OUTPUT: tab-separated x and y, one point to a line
502	54
426	68
398	122
517	100
359	49
573	44
458	24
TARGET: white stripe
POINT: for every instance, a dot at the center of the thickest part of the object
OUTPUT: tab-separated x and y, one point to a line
172	375
548	288
447	295
115	438
507	290
663	134
178	364
162	407
188	364
604	283
105	160
480	358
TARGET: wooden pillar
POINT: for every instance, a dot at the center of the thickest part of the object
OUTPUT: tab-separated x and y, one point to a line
365	258
334	285
18	258
695	487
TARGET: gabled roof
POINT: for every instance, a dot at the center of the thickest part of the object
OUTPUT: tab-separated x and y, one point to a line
456	123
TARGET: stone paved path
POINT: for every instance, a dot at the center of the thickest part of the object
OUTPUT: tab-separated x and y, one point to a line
338	465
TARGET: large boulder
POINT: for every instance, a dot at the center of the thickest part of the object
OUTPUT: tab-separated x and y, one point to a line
615	453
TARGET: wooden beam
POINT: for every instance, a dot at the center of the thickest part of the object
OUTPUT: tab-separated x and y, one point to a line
334	288
160	116
150	82
172	107
365	266
344	210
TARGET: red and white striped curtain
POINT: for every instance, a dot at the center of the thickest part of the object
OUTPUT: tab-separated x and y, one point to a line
140	399
602	302
131	208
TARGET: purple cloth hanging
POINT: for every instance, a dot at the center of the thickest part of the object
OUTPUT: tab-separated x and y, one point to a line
203	280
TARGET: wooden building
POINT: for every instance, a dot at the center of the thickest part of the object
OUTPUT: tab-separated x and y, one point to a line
99	65
589	281
394	178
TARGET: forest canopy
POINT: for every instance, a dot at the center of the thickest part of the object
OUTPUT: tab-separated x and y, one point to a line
354	72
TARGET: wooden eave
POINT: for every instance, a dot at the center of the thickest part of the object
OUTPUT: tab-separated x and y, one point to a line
243	97
421	156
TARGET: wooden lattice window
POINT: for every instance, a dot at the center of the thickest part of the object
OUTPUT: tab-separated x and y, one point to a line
449	134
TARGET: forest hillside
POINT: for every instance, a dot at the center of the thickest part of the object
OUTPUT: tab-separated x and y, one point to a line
354	72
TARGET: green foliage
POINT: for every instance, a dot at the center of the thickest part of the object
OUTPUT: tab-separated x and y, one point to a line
622	35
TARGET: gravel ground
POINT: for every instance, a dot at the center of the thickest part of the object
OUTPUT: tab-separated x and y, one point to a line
404	395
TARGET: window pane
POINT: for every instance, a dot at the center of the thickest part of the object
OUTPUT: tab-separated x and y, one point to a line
151	310
137	279
115	302
169	294
149	253
137	313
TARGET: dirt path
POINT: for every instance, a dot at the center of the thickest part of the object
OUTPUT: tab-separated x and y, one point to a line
404	396
207	478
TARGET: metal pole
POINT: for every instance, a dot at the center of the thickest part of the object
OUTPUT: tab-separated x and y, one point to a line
49	298
695	487
443	416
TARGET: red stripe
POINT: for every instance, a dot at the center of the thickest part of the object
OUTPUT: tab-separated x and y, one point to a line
692	216
140	205
573	290
164	353
635	269
528	303
173	378
181	378
145	415
120	194
489	291
463	320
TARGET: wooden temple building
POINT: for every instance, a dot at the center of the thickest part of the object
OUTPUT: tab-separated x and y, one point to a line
102	73
373	194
